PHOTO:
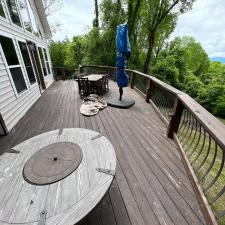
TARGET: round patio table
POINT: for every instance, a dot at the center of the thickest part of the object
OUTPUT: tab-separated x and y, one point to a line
55	178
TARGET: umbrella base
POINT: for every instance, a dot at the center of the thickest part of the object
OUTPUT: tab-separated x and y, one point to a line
124	103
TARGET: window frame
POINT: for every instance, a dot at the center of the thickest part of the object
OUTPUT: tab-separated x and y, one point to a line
24	66
10	19
38	46
4	10
14	40
47	60
21	18
35	21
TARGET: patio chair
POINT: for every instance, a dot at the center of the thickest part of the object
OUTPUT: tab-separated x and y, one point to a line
98	87
104	83
84	86
107	81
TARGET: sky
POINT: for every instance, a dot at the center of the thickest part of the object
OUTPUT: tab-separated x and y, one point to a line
205	22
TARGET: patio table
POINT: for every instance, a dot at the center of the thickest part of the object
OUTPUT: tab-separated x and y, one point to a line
56	177
94	77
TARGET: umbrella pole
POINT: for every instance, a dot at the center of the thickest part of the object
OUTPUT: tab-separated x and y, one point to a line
121	93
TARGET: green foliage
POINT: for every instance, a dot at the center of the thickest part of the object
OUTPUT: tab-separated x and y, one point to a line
219	108
57	52
192	85
166	70
211	97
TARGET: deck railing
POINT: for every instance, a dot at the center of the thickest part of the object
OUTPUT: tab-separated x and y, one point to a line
199	135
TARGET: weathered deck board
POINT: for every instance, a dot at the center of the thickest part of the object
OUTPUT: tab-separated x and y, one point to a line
151	185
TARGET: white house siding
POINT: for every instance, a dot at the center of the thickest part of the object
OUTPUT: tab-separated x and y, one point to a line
13	106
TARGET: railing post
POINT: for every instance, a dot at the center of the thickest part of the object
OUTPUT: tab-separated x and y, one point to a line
132	80
149	90
176	118
81	69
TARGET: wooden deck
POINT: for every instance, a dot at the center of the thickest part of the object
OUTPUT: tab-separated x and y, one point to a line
151	186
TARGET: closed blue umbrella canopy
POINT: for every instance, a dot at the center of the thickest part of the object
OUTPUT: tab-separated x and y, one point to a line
121	78
123	51
122	39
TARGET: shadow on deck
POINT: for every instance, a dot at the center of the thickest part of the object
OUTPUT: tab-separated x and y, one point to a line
151	185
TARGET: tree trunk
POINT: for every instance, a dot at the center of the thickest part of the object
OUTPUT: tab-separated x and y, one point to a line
151	41
96	21
133	11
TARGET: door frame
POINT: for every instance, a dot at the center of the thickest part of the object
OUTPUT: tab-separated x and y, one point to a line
37	64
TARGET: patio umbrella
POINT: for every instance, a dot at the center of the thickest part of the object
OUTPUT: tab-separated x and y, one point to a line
123	54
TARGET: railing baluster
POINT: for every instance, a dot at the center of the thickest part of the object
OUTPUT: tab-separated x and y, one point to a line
206	156
194	136
218	174
220	214
211	165
197	143
201	149
187	129
190	134
217	196
182	126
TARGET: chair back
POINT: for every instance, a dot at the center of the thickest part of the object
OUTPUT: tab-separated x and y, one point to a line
84	86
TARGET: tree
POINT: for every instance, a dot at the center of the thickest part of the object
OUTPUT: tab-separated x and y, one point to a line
51	6
133	11
96	21
158	11
166	70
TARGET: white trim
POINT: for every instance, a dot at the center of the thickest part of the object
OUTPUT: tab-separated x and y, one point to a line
14	66
10	67
19	14
38	46
10	19
8	71
43	53
7	28
20	61
24	28
29	5
43	18
3	6
21	55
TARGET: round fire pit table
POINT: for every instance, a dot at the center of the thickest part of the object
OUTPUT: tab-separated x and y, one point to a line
55	178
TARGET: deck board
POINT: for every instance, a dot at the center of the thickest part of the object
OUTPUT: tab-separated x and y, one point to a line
151	185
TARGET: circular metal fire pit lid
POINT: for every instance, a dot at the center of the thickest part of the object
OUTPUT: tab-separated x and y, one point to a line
52	163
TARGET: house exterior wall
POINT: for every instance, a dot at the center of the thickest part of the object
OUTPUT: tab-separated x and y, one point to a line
13	106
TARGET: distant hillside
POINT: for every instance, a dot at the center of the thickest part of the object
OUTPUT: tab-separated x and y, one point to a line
220	59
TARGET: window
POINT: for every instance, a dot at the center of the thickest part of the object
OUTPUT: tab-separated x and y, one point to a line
25	15
1	10
42	61
47	61
33	20
13	11
27	62
13	63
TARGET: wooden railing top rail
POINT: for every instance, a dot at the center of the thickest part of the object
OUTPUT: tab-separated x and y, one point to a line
210	123
213	126
169	88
